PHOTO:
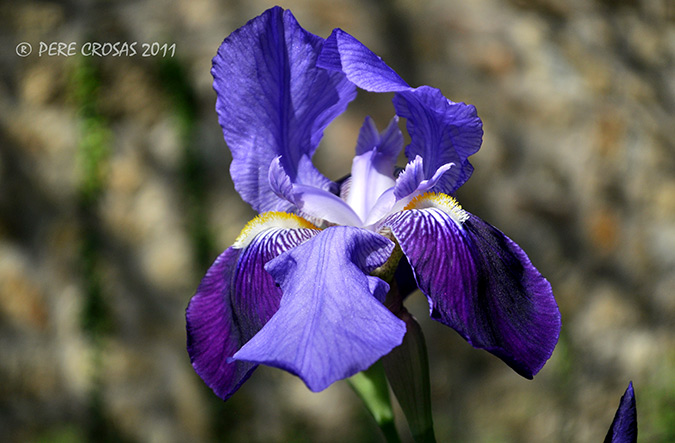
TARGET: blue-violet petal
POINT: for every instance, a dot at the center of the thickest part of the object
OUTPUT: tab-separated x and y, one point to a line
373	166
309	200
480	283
273	101
441	131
232	303
331	322
365	69
624	428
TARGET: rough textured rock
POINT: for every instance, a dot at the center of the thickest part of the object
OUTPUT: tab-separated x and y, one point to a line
577	166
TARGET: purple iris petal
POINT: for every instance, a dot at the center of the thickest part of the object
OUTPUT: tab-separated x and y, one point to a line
412	180
373	165
624	426
233	302
274	101
481	284
441	131
365	69
331	322
386	145
312	201
212	335
409	184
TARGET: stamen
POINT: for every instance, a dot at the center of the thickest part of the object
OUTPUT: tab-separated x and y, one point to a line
270	220
444	202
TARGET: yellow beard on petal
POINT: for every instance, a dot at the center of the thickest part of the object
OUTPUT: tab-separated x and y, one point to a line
440	201
270	220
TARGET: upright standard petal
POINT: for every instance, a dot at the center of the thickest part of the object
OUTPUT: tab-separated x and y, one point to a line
440	130
331	322
363	67
373	166
236	298
624	428
479	282
273	101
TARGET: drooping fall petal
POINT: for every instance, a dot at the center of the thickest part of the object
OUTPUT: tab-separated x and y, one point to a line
331	322
479	282
235	299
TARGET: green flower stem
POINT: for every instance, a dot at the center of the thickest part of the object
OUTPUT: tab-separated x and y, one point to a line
407	369
371	386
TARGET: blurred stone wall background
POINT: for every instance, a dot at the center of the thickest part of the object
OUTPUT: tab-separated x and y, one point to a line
115	197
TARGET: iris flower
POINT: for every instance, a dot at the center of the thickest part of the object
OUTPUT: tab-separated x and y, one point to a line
303	286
